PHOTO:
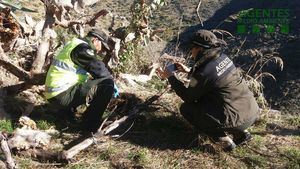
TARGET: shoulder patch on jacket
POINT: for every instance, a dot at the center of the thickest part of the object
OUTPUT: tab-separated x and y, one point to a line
218	68
223	66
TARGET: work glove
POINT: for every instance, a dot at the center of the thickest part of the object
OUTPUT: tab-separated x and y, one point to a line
116	91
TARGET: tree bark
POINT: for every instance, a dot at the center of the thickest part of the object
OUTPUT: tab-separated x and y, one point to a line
42	52
44	45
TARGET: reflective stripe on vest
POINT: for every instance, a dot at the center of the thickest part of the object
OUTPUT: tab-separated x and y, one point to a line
65	66
56	89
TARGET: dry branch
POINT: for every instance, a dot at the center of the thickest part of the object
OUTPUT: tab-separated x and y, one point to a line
197	10
98	137
5	148
69	154
15	70
6	63
92	21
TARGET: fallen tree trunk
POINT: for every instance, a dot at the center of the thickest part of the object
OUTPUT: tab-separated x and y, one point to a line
96	138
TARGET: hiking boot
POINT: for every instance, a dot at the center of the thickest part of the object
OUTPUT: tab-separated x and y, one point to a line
227	143
242	137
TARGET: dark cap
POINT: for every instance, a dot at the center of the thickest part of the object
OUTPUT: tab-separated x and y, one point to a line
102	36
204	38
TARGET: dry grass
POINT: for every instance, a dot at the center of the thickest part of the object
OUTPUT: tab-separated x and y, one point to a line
160	138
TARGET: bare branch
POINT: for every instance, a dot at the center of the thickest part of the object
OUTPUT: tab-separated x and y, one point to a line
15	70
92	21
4	147
198	14
69	154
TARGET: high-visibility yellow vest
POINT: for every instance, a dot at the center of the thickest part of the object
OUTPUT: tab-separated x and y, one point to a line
63	73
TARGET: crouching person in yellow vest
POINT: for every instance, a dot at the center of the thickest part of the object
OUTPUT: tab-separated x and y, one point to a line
67	82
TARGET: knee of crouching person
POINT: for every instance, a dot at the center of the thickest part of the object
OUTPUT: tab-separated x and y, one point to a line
108	84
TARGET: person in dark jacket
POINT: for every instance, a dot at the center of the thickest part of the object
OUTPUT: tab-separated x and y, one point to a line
68	83
217	101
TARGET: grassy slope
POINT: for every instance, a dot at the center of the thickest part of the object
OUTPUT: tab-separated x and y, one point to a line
162	139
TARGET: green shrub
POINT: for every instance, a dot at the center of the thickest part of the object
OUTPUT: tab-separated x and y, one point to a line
6	125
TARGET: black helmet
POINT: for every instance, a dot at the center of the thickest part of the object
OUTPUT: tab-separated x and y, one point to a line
205	39
103	37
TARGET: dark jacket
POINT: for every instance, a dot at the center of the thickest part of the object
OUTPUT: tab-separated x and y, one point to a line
217	87
84	56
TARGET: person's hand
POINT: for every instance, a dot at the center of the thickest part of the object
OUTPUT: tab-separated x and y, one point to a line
163	73
182	68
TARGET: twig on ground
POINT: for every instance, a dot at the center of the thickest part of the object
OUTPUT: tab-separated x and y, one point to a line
126	131
198	14
104	121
